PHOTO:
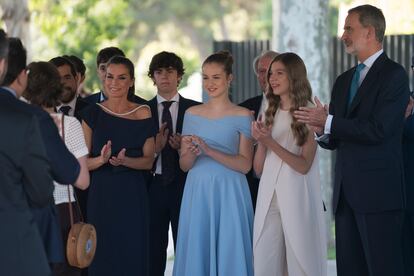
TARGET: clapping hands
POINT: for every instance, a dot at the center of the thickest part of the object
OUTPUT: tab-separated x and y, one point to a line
260	131
195	145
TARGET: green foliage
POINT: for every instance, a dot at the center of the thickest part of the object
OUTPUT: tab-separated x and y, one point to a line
261	27
82	27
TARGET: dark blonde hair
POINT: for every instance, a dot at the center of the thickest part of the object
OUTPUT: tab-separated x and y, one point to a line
222	57
300	93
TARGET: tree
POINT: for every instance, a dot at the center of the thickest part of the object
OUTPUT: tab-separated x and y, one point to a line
82	27
16	17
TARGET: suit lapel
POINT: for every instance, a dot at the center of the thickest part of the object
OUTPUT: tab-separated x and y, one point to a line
370	78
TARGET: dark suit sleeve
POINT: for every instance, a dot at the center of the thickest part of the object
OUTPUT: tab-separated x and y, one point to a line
38	183
65	167
385	118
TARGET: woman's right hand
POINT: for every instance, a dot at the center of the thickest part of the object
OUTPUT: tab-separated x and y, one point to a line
106	152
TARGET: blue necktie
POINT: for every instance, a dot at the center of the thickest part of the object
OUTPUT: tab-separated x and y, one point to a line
355	83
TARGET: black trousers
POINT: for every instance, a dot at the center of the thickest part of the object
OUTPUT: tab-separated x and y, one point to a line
165	202
408	243
64	269
368	244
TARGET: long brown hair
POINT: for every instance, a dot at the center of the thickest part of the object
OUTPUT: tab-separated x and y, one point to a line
300	93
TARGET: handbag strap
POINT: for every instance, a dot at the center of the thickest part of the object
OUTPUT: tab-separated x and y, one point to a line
70	200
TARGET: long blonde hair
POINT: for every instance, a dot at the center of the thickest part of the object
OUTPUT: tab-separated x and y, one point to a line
300	93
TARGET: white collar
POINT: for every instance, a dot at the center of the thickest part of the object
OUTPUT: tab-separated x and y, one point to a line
369	61
161	99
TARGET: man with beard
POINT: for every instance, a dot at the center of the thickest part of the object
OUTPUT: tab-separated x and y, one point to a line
71	102
365	125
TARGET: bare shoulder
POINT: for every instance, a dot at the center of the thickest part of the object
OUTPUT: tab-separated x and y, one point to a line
241	111
196	109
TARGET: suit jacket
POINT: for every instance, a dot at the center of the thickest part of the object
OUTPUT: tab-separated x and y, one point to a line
96	98
367	137
253	104
408	153
64	166
183	104
24	180
79	106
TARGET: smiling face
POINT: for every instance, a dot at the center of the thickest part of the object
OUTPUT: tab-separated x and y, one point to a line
69	83
216	81
278	79
118	80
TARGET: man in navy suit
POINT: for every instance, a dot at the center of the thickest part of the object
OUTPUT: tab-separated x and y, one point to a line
258	105
408	154
102	59
24	180
364	126
165	192
64	166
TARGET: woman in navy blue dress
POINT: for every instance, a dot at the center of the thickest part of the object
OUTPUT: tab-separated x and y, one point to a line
119	134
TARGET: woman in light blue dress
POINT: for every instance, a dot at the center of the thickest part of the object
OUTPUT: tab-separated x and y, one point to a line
215	228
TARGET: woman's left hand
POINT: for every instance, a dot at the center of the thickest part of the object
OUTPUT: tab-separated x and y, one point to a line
119	159
200	146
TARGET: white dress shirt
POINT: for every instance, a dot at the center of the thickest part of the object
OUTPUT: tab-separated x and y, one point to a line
174	115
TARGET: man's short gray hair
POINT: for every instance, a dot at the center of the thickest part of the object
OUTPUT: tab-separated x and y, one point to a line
265	54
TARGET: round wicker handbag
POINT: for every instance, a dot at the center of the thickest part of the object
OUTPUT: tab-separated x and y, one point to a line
81	243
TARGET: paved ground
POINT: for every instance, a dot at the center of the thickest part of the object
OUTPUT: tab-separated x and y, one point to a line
170	262
331	268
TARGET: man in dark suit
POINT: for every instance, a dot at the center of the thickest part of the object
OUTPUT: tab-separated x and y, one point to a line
408	154
24	180
102	59
71	104
168	107
258	105
65	168
365	125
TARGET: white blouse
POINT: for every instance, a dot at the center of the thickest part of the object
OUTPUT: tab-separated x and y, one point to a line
75	142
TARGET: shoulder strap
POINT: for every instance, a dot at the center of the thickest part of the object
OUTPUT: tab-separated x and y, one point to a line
70	200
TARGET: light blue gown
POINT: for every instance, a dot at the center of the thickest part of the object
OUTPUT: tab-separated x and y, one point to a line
216	220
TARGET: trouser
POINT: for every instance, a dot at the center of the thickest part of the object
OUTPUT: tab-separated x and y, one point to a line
165	202
368	244
273	254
